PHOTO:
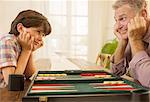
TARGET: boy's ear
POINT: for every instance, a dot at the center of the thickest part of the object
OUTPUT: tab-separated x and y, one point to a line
20	27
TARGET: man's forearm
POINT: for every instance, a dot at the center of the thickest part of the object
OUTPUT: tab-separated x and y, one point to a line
136	46
119	53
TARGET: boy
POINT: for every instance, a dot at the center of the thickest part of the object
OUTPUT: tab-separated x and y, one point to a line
17	47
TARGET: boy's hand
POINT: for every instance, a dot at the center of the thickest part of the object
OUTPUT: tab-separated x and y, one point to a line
136	28
26	41
37	45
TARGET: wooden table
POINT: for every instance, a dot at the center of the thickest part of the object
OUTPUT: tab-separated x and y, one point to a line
16	96
13	96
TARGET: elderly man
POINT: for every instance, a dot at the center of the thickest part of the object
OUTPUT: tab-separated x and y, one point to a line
132	28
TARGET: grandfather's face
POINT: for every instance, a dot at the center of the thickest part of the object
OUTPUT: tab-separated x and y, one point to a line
122	17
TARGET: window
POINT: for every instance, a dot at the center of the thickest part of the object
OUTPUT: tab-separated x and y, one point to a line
69	19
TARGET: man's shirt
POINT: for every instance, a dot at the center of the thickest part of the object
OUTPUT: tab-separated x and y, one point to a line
139	64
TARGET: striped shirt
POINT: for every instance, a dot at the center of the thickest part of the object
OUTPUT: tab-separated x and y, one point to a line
9	52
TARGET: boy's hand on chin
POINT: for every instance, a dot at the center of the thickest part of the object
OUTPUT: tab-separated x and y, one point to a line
37	45
26	41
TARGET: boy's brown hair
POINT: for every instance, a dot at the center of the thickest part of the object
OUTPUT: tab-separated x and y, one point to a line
30	18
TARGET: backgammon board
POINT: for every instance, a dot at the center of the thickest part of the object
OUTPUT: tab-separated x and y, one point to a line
83	86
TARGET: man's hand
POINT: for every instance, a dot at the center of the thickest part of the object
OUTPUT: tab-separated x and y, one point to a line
26	41
136	28
136	31
122	44
118	35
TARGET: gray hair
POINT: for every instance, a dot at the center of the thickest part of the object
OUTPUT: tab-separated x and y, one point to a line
135	4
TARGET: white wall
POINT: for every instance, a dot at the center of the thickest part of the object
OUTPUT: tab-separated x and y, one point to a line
100	25
10	8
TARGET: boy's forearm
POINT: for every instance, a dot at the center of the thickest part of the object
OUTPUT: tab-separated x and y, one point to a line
30	69
22	62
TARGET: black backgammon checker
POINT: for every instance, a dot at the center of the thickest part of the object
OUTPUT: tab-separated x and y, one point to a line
16	82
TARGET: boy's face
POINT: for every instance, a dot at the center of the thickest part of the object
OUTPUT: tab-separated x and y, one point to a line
36	33
122	17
